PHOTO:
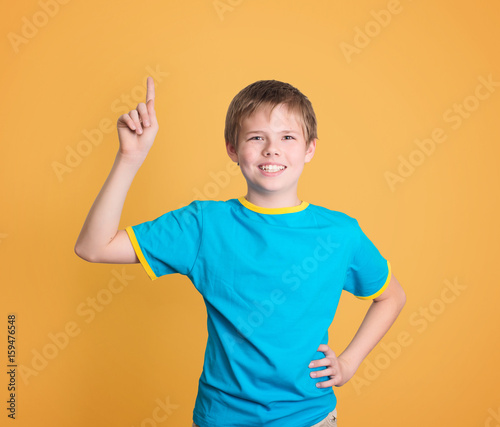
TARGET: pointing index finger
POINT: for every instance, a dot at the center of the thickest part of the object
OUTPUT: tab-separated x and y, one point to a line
150	93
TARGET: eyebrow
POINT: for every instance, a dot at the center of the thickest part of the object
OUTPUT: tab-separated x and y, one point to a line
262	131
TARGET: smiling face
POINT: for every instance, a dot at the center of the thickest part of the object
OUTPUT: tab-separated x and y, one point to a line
272	152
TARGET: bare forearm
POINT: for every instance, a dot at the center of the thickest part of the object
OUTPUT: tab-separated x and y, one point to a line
101	224
378	320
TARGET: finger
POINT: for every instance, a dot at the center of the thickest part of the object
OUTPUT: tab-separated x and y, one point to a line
328	383
125	118
322	373
151	110
143	114
135	117
321	362
150	92
324	348
150	104
329	359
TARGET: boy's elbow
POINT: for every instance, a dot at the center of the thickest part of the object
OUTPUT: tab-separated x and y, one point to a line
84	255
79	252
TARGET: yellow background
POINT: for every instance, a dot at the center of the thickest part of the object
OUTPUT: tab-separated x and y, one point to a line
439	225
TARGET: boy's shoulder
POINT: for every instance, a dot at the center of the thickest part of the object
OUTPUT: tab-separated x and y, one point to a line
207	207
331	214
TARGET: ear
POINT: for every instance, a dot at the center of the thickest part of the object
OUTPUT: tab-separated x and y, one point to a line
231	152
310	151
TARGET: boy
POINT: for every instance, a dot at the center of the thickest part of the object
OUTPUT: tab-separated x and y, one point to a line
270	267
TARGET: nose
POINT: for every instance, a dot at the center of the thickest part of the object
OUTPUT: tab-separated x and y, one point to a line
271	147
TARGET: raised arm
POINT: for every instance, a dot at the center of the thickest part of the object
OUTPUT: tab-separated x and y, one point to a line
100	240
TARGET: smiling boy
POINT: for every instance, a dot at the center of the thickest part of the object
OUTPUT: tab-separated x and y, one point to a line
270	266
272	177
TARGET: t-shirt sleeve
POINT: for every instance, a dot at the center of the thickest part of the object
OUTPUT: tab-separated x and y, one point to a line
170	243
368	273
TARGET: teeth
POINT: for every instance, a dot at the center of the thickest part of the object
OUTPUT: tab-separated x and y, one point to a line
272	168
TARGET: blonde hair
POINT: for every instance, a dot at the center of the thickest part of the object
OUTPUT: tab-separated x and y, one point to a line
269	93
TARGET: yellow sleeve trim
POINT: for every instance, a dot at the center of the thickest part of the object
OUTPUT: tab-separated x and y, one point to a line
139	253
382	289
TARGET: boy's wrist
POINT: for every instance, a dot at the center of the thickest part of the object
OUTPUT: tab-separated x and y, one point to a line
353	362
130	159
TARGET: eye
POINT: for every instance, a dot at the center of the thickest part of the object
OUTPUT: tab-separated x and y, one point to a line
289	136
253	137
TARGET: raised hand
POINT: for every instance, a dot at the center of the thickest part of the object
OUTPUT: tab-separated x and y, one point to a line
337	368
138	128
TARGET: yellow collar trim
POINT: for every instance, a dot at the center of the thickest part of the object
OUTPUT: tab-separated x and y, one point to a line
272	211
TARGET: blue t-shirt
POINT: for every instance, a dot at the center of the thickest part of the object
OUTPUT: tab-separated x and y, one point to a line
271	279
